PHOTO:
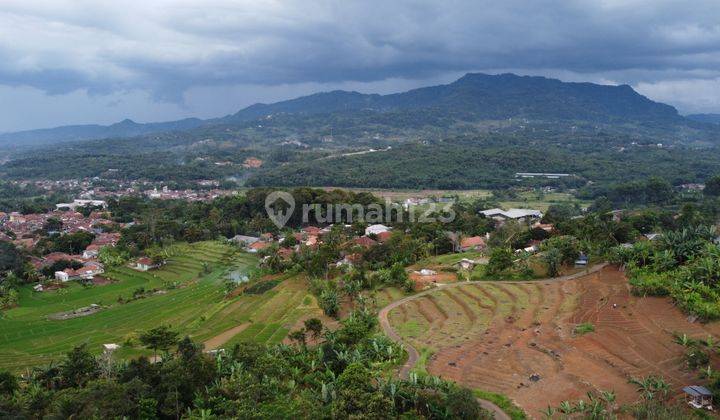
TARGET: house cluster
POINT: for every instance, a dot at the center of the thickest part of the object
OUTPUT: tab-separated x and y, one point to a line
24	229
90	266
419	201
166	193
88	271
313	236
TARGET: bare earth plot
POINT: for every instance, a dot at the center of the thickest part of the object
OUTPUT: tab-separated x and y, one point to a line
495	335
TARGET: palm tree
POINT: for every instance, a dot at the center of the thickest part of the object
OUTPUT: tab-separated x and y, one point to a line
683	340
609	397
566	407
650	386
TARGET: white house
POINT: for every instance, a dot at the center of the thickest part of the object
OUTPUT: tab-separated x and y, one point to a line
90	270
376	229
65	275
145	264
91	251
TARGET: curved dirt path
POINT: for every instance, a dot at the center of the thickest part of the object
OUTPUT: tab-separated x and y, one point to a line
413	354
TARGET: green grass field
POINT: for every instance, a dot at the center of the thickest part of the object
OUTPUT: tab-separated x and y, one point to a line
531	199
196	307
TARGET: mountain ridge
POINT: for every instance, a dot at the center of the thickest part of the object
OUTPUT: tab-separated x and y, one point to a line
488	96
79	132
473	97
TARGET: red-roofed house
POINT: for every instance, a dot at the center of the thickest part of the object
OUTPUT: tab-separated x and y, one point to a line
384	236
91	251
54	257
89	271
364	242
145	264
312	230
472	243
257	246
285	253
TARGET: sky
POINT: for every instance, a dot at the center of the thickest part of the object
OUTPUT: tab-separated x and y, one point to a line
96	61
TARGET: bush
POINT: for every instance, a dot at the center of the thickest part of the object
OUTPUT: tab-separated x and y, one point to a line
585	328
261	287
650	284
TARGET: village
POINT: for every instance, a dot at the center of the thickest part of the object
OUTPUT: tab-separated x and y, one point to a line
401	261
89	214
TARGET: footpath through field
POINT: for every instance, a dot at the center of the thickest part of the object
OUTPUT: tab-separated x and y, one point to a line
413	354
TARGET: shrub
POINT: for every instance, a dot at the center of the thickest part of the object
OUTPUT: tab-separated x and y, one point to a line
261	287
585	328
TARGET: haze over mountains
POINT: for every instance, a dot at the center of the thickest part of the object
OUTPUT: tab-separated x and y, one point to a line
474	97
705	118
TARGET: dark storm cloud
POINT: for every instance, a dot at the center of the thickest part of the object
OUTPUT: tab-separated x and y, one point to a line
167	47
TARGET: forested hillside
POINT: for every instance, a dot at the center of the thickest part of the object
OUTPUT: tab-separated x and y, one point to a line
475	132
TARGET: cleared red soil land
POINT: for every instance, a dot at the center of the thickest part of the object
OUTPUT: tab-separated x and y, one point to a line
495	336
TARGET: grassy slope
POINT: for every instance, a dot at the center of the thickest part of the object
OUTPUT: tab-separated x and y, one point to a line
197	308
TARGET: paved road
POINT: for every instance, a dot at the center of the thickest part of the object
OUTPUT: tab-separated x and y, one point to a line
413	354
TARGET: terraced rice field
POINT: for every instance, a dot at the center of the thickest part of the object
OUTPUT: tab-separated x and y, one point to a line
495	336
196	307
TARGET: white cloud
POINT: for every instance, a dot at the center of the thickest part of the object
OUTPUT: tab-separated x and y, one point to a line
689	96
169	50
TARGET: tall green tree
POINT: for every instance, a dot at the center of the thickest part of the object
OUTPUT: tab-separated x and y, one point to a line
159	338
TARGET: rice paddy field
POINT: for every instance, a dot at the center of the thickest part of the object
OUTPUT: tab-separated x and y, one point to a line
190	300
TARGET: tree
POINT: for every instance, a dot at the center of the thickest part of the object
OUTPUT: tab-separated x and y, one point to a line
651	386
553	261
289	241
53	224
11	258
314	326
8	383
79	367
329	302
299	336
567	247
357	397
113	256
159	338
712	186
462	404
501	258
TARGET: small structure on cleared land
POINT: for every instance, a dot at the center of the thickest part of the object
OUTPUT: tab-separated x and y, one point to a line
467	264
582	261
426	272
698	397
110	347
145	264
